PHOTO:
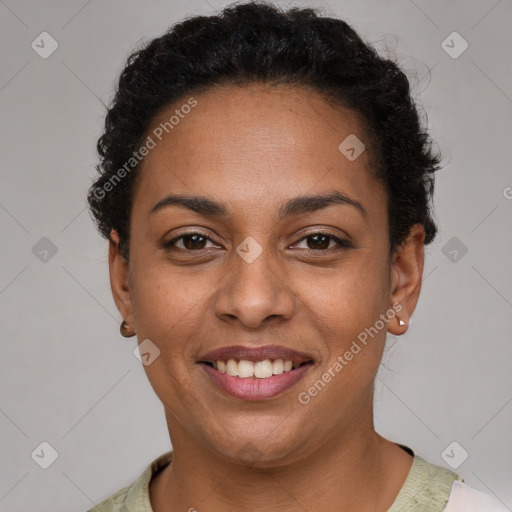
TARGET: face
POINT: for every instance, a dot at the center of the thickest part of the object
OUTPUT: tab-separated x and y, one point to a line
260	265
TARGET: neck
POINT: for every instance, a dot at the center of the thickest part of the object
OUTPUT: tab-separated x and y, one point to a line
359	471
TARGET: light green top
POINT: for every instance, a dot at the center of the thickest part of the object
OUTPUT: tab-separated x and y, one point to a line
426	489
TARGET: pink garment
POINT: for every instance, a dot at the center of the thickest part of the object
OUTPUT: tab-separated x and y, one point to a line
465	499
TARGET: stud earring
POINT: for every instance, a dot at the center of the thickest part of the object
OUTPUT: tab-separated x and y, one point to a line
404	322
125	331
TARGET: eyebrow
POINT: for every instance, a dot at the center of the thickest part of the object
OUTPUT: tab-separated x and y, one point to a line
296	206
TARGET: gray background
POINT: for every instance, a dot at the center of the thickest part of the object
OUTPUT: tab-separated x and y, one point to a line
69	379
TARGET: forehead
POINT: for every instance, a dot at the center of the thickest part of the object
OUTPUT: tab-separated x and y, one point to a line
258	141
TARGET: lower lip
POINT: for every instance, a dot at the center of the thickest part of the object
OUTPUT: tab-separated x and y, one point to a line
252	388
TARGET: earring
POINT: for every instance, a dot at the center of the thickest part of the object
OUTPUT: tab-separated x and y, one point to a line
403	322
125	330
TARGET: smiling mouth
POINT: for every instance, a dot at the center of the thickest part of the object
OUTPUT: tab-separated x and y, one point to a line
255	380
255	372
244	369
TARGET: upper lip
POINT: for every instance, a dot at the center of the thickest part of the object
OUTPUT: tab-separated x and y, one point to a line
254	354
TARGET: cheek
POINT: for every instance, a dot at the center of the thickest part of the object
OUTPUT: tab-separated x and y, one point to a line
166	312
163	295
346	309
352	296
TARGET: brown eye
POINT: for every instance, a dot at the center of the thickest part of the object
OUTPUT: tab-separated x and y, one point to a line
190	242
321	241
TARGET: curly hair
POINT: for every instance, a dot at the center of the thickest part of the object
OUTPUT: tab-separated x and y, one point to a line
258	42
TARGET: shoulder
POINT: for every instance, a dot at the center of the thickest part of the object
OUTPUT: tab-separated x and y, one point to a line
434	488
136	495
465	499
114	503
427	487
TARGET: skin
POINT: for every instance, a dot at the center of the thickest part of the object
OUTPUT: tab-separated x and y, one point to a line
252	149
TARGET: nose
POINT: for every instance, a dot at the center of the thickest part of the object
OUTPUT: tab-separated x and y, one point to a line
255	291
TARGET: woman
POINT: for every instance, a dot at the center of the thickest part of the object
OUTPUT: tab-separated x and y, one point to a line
266	188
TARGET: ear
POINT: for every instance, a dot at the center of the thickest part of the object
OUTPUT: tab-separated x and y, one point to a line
120	279
406	277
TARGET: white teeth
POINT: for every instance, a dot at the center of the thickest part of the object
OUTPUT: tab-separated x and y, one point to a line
232	367
245	369
277	367
221	366
259	369
263	369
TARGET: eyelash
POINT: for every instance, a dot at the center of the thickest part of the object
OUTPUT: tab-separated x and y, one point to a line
342	244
